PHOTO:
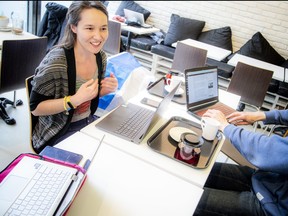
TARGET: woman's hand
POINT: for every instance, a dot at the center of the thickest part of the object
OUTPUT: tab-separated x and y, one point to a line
108	85
87	91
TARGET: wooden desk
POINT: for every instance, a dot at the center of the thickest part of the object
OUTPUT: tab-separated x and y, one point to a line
121	184
213	52
278	72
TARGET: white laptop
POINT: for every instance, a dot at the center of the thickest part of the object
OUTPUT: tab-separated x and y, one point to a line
137	17
133	122
39	187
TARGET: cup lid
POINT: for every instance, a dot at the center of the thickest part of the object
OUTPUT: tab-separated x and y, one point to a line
192	140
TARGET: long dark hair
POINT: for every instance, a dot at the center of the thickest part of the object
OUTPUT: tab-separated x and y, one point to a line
73	17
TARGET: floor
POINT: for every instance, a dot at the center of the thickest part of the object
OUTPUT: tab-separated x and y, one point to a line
14	139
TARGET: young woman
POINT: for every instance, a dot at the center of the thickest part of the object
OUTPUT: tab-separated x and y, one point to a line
70	79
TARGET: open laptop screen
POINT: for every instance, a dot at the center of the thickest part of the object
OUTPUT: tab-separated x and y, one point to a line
201	86
132	15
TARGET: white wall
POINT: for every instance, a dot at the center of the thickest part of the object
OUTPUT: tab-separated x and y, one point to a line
244	17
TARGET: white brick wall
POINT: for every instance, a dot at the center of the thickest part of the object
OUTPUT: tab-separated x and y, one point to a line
244	17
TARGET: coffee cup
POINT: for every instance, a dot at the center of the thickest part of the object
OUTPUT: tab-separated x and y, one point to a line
17	26
4	21
209	127
173	81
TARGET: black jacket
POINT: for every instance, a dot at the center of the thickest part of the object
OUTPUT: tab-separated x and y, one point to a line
51	23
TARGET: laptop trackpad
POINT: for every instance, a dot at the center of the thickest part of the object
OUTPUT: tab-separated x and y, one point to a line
9	189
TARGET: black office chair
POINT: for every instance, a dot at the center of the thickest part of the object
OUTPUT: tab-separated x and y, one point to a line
19	60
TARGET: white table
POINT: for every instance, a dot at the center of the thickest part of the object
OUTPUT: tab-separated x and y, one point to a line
136	30
139	31
119	183
10	36
213	52
144	152
278	72
130	179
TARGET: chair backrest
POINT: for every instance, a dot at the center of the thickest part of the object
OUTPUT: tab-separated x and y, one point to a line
112	45
33	119
251	83
19	60
187	56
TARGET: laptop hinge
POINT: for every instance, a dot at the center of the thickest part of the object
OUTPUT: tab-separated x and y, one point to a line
74	177
201	106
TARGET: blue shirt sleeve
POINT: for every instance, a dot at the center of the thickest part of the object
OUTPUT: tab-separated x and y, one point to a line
279	117
268	153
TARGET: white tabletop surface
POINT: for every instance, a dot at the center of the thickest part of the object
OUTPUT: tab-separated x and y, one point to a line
278	72
144	152
130	179
139	31
135	30
10	36
121	184
213	52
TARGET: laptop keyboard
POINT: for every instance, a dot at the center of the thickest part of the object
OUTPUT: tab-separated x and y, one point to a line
136	121
39	195
218	106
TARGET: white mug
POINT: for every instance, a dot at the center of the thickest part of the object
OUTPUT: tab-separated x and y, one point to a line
4	21
209	127
173	81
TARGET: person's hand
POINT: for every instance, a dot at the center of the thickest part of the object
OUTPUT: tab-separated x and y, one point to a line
217	115
108	85
245	118
87	91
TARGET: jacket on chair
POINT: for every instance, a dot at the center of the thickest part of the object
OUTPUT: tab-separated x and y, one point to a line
51	23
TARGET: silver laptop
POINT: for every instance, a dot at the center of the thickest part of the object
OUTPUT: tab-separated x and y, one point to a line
137	17
202	91
39	187
133	122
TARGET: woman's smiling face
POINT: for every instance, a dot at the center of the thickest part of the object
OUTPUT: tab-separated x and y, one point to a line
91	30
